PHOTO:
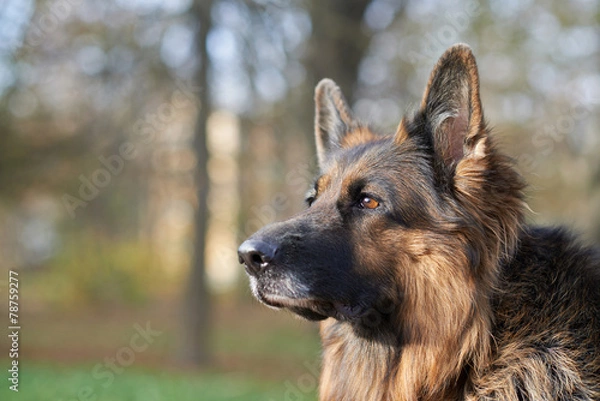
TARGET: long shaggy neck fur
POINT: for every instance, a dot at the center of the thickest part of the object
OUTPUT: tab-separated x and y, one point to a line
440	333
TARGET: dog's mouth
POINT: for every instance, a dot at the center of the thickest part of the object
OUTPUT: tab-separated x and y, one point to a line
289	293
314	309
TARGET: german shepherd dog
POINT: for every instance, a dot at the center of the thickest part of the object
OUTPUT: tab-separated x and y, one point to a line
414	255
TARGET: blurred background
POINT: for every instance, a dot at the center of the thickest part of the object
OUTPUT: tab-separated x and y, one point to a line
142	140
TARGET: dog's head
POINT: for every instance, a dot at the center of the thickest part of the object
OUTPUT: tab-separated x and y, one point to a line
393	221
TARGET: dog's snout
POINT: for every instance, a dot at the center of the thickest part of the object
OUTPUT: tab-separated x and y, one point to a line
256	255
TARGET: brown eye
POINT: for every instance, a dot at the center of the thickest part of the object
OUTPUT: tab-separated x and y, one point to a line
368	203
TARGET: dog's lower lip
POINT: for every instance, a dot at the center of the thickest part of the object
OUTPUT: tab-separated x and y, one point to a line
279	301
338	310
271	302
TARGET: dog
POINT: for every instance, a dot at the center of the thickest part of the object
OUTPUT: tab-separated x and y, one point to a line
414	255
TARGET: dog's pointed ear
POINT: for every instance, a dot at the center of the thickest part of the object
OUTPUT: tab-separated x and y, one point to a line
333	117
452	108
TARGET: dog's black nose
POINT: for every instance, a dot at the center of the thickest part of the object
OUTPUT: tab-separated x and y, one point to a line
256	255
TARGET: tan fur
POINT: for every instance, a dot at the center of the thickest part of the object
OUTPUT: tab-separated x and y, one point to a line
359	134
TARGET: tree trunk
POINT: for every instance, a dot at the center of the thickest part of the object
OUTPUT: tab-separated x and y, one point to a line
338	42
196	347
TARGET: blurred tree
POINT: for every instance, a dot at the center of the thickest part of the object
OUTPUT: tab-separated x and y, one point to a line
197	312
338	41
80	79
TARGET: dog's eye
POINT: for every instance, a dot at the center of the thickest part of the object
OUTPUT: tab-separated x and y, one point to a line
367	202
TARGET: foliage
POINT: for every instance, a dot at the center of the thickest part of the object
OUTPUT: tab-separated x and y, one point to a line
94	270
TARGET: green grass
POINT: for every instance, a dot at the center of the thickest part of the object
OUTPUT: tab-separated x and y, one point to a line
258	354
43	382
